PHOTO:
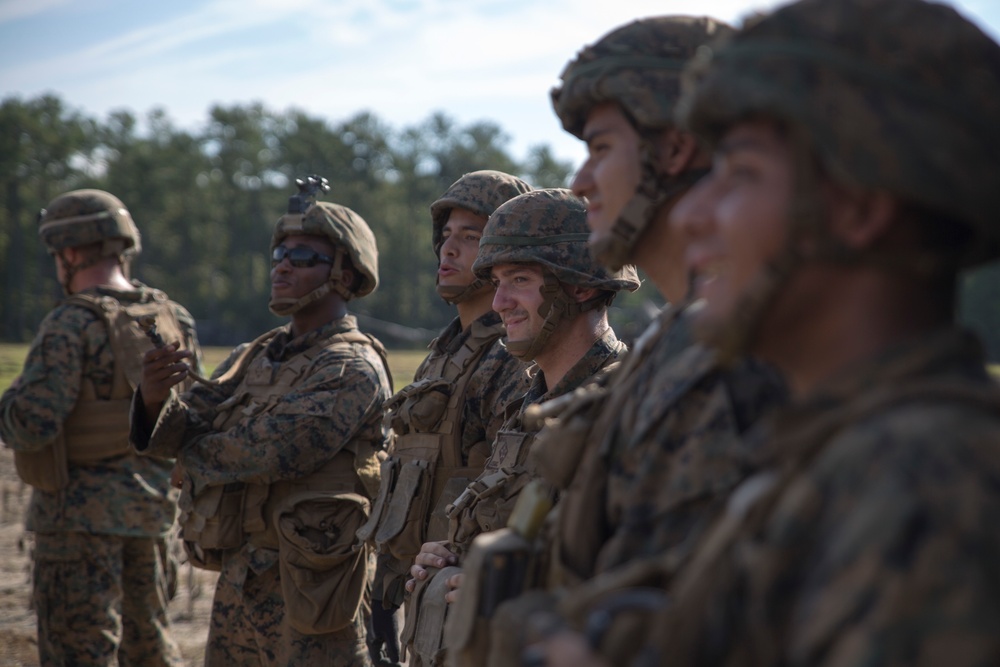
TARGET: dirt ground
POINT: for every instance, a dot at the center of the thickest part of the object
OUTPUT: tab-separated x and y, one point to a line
189	610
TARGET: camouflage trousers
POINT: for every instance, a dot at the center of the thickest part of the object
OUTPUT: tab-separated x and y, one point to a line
248	627
101	601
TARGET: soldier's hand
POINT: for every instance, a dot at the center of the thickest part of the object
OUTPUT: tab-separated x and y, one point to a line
432	554
162	368
565	649
454	583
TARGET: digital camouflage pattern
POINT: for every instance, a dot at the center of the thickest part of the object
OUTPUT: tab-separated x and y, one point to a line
339	402
82	217
492	512
488	501
655	452
907	111
547	227
869	535
638	67
346	230
248	627
113	506
666	450
480	192
496	380
866	534
82	620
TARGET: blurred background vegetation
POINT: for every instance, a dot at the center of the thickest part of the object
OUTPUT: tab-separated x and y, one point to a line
206	200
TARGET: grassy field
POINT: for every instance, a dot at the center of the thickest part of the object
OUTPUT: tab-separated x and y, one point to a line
402	363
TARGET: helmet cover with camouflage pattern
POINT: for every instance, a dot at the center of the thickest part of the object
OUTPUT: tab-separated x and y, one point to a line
480	192
896	95
548	227
83	217
638	65
345	229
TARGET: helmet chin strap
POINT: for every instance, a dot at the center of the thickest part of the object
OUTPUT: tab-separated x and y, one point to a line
556	307
70	271
453	294
287	306
614	249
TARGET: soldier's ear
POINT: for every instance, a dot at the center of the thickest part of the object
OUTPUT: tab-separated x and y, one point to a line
861	220
580	294
676	151
347	277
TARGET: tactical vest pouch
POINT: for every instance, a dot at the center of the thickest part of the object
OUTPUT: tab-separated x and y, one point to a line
497	568
323	568
389	472
423	634
423	409
213	524
402	531
559	447
46	469
97	430
437	528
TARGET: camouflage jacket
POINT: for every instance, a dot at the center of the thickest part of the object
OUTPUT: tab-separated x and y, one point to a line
341	401
869	536
664	450
127	495
491	513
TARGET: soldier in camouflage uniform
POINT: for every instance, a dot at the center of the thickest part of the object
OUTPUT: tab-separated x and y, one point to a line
553	300
855	177
444	423
101	515
279	458
644	459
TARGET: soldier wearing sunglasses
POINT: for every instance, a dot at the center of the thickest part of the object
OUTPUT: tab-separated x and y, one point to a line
277	456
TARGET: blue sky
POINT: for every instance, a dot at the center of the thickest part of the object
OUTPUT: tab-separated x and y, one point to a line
400	59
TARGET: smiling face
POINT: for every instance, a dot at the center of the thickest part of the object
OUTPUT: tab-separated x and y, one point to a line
292	282
460	243
736	220
611	173
518	298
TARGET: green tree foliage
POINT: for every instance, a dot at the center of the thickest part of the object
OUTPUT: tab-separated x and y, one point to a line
206	201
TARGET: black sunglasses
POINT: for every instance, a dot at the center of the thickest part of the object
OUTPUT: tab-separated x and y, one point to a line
299	257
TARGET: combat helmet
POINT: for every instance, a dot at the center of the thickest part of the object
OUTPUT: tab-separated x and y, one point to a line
85	217
637	66
900	96
549	228
480	192
345	229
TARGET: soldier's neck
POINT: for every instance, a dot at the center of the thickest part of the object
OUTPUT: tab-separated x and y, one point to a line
472	309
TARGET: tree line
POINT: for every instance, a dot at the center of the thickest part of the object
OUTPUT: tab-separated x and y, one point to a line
207	199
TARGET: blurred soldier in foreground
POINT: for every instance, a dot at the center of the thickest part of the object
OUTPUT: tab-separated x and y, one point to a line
101	515
646	457
553	300
279	458
444	423
855	176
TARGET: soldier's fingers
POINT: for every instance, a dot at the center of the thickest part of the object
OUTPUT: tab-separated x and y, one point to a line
410	585
436	554
157	353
